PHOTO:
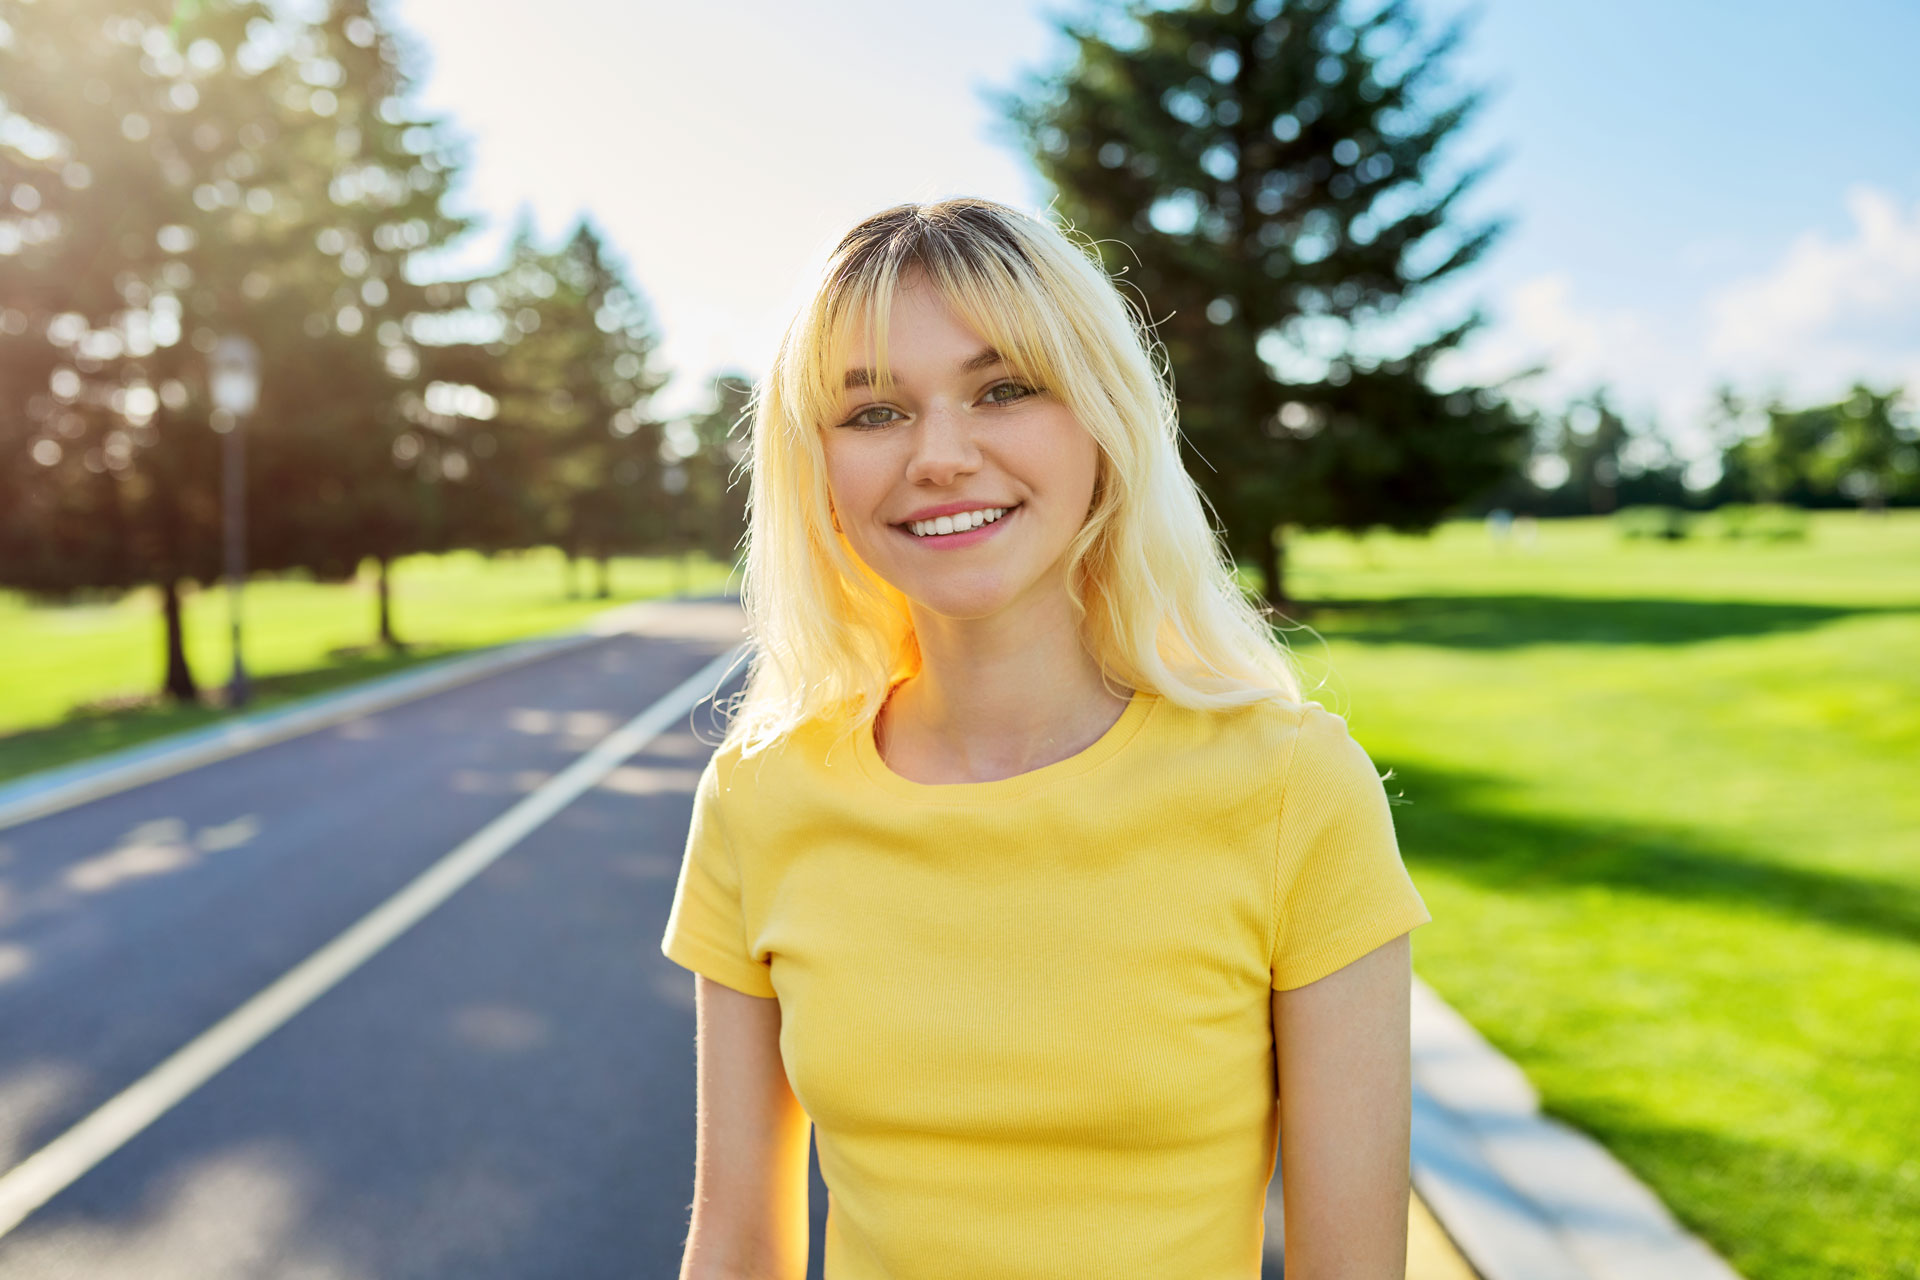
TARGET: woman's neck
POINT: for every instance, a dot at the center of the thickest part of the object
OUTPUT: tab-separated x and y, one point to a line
996	697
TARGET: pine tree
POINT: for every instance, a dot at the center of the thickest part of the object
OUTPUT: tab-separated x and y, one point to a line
1262	171
351	400
577	371
622	505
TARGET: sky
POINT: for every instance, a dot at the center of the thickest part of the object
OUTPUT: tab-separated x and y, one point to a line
1696	192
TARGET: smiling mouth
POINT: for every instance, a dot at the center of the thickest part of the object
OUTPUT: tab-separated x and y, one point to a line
930	529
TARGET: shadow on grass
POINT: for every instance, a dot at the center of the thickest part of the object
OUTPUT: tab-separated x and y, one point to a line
1777	1207
90	732
1771	1208
1500	622
1450	819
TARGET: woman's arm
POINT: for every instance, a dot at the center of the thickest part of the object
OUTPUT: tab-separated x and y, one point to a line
1342	1054
750	1148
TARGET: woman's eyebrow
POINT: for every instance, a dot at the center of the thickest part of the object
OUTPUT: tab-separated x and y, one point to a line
983	359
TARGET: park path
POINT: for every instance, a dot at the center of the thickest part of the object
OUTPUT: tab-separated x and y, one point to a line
505	1089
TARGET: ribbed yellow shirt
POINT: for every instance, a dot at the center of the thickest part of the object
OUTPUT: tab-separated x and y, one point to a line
1030	1018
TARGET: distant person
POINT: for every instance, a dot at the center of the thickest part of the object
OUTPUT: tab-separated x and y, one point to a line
1526	530
1026	873
1499	525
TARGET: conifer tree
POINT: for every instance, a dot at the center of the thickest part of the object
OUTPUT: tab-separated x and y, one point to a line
621	504
351	402
1265	172
576	376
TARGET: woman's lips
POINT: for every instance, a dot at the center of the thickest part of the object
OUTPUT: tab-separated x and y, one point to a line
939	541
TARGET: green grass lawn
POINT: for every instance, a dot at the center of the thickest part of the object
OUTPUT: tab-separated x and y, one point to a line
80	679
1663	800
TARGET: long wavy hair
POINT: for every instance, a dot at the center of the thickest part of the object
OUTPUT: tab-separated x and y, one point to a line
1151	580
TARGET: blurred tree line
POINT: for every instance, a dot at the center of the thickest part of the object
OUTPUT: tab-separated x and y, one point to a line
1862	450
173	172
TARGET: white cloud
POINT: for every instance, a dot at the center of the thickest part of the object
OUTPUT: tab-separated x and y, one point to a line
1827	313
1831	310
1539	322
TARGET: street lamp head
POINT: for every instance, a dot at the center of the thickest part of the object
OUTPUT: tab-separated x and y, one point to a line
233	375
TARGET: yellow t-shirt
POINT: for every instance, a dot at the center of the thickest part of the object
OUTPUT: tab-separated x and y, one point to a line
1030	1018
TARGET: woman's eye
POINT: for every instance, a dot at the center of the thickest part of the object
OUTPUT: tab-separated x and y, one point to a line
860	419
1020	387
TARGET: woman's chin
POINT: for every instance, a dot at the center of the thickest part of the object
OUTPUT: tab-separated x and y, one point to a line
982	596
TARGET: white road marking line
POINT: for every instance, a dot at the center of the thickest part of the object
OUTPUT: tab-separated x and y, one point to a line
56	1166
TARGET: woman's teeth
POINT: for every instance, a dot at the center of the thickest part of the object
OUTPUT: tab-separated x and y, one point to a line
956	524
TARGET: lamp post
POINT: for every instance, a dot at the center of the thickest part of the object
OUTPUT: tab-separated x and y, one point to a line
233	375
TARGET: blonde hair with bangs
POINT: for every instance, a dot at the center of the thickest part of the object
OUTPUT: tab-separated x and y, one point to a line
1150	579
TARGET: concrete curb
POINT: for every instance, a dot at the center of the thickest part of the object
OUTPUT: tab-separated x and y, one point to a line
38	794
1524	1196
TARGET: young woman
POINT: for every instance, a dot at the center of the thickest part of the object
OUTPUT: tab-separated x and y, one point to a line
1025	873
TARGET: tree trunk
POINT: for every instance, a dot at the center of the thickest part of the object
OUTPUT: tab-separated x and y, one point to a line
573	586
180	685
386	607
604	590
1272	560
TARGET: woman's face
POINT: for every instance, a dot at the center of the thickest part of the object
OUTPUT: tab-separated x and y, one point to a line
959	434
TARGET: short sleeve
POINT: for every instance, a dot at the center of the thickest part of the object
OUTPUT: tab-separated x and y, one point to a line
706	929
1340	887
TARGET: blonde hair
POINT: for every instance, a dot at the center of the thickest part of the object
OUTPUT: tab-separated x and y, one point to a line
1150	578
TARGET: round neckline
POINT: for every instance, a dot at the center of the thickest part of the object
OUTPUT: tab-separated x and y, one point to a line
1100	750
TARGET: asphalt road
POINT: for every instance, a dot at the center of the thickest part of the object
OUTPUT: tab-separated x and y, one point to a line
507	1090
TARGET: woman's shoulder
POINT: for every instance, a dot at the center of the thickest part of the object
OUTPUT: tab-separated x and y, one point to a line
1280	738
1277	721
1242	748
792	758
1323	755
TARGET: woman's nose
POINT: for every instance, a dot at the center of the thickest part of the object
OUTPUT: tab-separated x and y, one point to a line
943	446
